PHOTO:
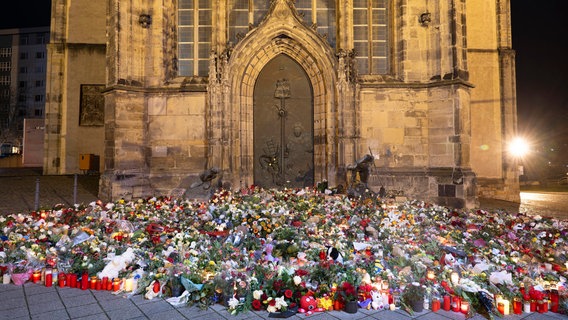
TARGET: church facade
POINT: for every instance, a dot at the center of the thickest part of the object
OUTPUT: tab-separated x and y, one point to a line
284	93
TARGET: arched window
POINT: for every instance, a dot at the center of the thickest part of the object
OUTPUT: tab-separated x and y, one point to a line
243	13
370	35
194	37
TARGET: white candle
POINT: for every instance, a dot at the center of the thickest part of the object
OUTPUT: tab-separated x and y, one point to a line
6	278
455	278
128	284
506	305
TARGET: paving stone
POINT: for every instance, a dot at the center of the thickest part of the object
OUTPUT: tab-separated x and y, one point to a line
109	305
55	315
100	316
9	303
15	313
78	300
125	313
85	310
155	307
33	289
169	315
45	307
42	298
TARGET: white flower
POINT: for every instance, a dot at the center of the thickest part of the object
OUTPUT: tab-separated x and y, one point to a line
257	294
233	303
271	309
280	302
297	280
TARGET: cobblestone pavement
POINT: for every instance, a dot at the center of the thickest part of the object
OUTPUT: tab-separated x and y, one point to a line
34	301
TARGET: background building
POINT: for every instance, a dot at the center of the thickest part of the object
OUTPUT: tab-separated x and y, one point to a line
22	81
285	93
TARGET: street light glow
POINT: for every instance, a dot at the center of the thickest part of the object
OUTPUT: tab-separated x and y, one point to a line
518	147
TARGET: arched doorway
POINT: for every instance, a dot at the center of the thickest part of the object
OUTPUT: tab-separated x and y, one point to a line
283	125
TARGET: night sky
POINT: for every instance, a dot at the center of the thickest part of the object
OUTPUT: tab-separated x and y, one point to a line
538	39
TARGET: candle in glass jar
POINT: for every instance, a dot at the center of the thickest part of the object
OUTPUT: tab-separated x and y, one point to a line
104	283
128	284
36	276
62	279
115	284
72	281
435	304
517	306
85	281
430	275
456	304
48	278
554	299
464	307
6	278
527	307
447	304
93	282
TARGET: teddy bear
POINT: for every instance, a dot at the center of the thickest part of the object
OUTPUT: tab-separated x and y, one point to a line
117	263
377	300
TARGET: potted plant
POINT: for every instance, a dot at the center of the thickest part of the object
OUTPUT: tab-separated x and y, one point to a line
413	296
349	295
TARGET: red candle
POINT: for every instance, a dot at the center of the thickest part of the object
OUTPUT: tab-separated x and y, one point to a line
456	304
48	279
554	297
533	306
435	305
109	286
447	303
85	281
94	281
542	306
72	280
62	279
36	276
517	306
104	283
115	284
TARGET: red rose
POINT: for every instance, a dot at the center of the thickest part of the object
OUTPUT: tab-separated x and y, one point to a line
256	304
288	293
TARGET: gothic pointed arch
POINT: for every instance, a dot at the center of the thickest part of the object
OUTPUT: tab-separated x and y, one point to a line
231	93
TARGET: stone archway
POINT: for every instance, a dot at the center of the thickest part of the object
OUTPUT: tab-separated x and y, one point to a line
231	93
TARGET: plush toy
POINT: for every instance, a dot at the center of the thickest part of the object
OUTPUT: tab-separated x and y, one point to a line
153	290
334	254
448	259
377	303
117	263
309	305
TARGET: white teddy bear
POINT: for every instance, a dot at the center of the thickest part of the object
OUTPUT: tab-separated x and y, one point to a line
117	263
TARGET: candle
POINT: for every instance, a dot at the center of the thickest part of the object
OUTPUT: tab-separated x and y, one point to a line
36	276
542	306
6	278
447	303
72	282
506	307
54	276
93	282
430	275
554	298
104	283
128	284
85	281
62	278
527	307
456	304
517	306
48	278
392	307
115	284
464	307
435	304
455	278
533	306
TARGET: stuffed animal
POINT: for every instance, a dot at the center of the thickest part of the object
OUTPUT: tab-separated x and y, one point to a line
334	254
153	290
377	303
448	259
309	305
117	263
